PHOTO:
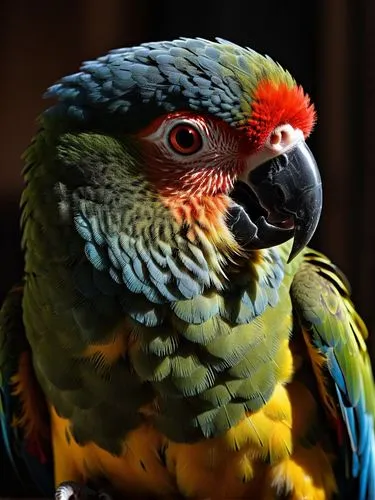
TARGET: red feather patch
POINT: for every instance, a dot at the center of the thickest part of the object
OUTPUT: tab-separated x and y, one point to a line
275	104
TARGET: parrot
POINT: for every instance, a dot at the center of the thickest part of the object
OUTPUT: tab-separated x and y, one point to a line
173	334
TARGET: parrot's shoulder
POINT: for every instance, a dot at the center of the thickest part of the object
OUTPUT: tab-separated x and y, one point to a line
335	338
23	414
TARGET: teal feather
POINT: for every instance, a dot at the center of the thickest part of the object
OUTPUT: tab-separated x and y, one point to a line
96	256
198	309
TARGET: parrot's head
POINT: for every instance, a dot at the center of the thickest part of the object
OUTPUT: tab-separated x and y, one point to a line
204	140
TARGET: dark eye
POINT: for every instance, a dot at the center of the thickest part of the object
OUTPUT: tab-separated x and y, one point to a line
185	139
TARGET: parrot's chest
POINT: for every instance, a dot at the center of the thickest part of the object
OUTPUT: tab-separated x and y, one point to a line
136	411
178	408
188	391
258	458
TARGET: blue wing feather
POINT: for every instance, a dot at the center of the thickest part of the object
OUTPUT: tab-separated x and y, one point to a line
321	298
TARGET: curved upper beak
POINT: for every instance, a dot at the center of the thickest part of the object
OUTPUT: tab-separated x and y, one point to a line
277	198
289	187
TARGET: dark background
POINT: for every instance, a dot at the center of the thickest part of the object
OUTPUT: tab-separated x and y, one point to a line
326	44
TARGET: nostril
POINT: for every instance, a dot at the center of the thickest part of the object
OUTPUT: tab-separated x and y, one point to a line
275	138
282	137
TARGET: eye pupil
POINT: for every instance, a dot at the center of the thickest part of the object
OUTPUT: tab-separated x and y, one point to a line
185	139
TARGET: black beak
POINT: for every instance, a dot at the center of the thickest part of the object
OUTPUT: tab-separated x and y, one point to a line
287	201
